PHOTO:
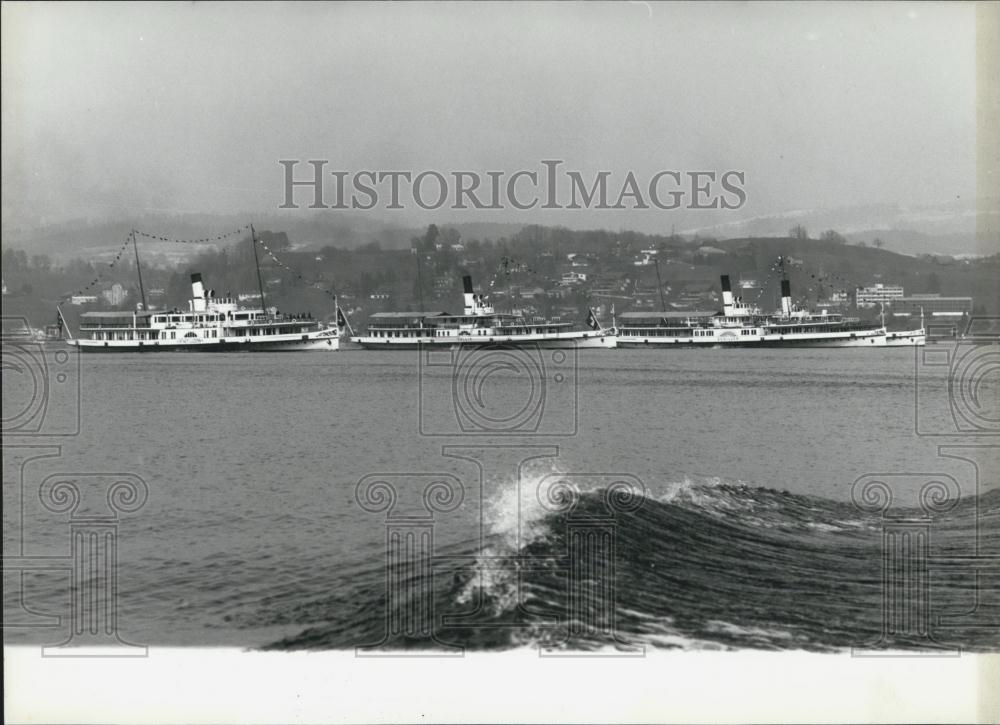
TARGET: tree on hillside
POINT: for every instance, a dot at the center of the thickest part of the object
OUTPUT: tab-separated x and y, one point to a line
430	239
449	236
878	243
14	260
798	232
833	237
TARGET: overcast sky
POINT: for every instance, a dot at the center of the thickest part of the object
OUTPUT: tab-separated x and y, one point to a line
113	110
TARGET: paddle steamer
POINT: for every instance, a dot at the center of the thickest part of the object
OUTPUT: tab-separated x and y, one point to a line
478	325
210	324
743	325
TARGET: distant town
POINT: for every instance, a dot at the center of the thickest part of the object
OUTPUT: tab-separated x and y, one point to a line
542	272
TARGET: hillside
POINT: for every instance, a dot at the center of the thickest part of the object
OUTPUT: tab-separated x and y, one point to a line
544	271
959	227
83	238
866	265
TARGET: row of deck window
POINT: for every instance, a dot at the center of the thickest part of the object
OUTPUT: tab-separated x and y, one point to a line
655	332
119	335
208	318
128	334
415	332
431	332
695	332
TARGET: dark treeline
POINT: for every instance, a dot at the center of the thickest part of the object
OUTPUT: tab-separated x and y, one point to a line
543	271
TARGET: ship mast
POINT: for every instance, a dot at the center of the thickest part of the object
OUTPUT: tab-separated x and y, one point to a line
786	289
65	325
659	283
420	283
256	261
138	271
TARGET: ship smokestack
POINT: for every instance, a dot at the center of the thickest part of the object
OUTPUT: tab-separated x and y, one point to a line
197	293
786	297
470	298
727	295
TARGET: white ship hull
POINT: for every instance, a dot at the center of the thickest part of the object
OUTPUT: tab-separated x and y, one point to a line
577	340
741	324
210	324
908	338
729	338
479	325
320	340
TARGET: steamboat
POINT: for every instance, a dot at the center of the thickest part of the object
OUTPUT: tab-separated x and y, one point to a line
478	325
210	324
743	325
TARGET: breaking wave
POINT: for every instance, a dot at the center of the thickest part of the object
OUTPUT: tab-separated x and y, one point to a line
696	563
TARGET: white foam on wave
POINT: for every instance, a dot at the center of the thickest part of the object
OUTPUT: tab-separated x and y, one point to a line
737	630
689	489
712	494
515	512
755	506
515	515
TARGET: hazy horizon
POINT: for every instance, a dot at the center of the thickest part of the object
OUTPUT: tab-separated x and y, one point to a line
118	111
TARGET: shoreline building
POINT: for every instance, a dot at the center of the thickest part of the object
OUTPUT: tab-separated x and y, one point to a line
878	294
116	295
933	305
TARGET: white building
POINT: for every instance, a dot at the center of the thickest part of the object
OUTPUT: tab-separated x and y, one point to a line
571	278
932	305
116	295
878	294
82	299
836	299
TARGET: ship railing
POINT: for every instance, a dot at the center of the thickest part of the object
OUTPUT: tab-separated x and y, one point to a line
655	331
555	328
390	328
103	326
272	321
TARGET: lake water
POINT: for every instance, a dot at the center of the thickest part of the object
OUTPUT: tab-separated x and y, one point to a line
746	533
